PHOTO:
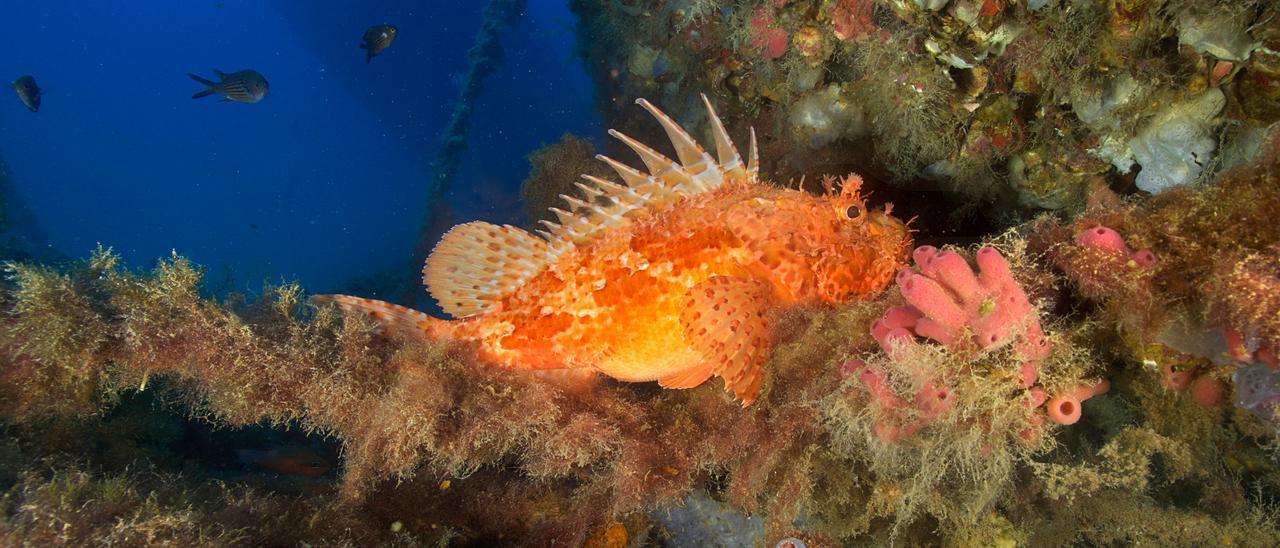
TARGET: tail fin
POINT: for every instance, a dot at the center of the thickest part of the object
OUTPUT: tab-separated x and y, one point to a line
368	55
396	320
204	93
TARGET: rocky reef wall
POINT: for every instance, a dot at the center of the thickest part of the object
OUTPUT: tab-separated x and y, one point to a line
1095	367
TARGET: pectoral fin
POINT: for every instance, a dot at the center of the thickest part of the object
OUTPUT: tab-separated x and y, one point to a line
688	378
724	320
477	264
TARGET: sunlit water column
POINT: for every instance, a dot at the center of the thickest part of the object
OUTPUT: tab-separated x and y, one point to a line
485	55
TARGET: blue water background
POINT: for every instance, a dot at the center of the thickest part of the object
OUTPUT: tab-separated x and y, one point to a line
323	181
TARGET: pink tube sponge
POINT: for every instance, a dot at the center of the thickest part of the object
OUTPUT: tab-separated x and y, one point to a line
934	401
965	309
1027	375
879	388
851	367
1085	392
1143	258
1103	238
932	300
1064	409
896	323
1111	243
1036	397
950	269
947	298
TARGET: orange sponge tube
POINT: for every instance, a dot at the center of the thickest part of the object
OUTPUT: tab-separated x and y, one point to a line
1065	408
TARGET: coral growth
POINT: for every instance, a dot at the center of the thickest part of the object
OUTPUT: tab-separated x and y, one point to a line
767	37
554	171
1022	104
431	441
949	421
1190	240
1246	296
964	313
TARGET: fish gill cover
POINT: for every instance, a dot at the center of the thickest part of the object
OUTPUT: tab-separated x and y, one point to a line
1080	349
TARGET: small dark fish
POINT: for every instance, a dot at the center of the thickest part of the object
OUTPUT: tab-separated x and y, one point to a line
28	91
244	86
288	461
376	39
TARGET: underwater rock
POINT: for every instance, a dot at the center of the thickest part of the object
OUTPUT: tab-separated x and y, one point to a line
767	37
823	116
1176	144
996	129
1189	336
648	63
1241	147
811	44
700	520
931	5
554	169
1222	35
851	19
1095	109
1258	90
1055	175
1246	298
970	32
805	78
1258	391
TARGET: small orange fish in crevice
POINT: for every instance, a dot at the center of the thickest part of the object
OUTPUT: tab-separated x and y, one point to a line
666	276
288	461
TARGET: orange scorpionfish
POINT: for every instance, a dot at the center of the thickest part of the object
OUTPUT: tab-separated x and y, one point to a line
666	276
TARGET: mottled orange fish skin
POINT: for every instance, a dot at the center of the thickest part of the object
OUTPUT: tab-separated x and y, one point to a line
613	304
667	275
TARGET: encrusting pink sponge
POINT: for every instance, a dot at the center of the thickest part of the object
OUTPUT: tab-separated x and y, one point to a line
1106	239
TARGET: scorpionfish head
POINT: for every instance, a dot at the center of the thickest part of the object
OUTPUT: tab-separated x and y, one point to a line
859	251
828	249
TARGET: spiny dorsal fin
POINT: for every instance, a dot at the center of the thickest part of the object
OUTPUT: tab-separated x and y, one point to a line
608	203
476	264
